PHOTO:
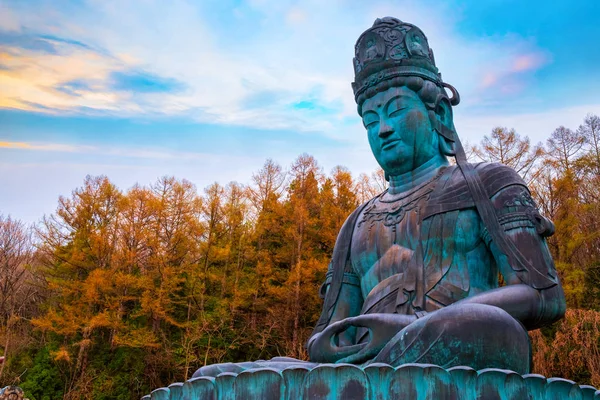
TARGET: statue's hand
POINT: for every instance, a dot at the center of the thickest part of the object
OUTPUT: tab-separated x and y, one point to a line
322	347
382	328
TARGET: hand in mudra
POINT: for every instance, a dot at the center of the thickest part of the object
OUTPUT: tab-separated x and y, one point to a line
382	328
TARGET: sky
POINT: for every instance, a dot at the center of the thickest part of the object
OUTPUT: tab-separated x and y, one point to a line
207	90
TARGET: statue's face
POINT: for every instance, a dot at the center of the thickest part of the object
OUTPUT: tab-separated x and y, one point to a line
400	133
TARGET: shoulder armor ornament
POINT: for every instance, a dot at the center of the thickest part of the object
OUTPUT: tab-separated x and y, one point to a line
452	193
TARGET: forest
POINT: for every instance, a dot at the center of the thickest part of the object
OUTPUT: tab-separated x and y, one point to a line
122	291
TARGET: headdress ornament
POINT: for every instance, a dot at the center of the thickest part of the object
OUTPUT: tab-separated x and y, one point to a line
392	48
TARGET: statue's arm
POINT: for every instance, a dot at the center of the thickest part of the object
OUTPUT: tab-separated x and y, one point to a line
348	303
334	338
533	293
342	300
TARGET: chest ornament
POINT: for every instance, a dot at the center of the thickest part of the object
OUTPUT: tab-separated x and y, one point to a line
390	209
390	214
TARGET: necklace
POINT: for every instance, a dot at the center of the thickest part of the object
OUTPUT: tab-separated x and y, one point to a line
391	208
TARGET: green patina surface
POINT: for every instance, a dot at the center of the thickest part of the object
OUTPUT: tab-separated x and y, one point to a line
375	382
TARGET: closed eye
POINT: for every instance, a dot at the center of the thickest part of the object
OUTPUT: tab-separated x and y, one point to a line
397	111
371	124
395	106
370	119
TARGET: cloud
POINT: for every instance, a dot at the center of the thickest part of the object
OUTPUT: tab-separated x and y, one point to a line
27	42
43	77
528	62
512	76
8	19
295	16
76	87
43	147
121	152
68	76
224	84
188	60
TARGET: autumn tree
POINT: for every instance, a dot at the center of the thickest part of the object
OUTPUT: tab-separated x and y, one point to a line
338	200
79	243
563	147
588	166
379	179
302	209
268	258
212	218
268	183
506	146
590	131
364	188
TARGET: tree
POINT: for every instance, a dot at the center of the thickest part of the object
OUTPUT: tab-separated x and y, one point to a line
505	146
590	131
379	179
338	200
213	218
365	188
563	147
303	208
269	181
78	245
17	293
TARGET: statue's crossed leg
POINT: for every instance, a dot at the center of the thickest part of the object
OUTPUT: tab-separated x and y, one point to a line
475	335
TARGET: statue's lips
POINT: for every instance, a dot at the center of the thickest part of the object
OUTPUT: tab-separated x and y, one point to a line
390	143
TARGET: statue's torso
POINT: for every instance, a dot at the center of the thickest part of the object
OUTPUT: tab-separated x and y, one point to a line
453	261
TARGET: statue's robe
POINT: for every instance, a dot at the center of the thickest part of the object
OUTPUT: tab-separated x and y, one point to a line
420	251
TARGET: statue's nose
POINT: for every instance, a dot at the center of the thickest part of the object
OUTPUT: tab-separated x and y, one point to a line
385	129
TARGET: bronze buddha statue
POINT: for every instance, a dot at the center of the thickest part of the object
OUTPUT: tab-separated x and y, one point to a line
414	276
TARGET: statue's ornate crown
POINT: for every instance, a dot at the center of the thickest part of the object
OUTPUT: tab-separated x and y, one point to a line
392	48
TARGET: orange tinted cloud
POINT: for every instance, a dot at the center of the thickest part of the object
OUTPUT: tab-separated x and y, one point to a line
30	78
43	147
507	77
527	62
489	79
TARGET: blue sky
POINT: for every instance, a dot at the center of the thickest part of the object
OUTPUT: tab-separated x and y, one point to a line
207	90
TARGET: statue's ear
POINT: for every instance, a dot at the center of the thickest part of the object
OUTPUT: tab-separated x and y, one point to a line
444	103
443	112
443	109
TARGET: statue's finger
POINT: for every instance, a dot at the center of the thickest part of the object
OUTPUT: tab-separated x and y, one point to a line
365	321
339	326
363	355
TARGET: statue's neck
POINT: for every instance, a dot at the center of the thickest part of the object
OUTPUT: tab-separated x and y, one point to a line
414	178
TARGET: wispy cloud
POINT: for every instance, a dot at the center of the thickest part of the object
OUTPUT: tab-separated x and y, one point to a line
122	152
528	62
512	76
44	147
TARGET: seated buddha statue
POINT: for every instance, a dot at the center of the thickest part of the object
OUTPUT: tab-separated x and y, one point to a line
414	275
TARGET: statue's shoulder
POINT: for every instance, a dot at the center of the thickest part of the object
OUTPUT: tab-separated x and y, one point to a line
496	177
344	238
350	223
452	192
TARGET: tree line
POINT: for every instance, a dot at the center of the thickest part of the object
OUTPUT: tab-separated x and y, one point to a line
119	292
